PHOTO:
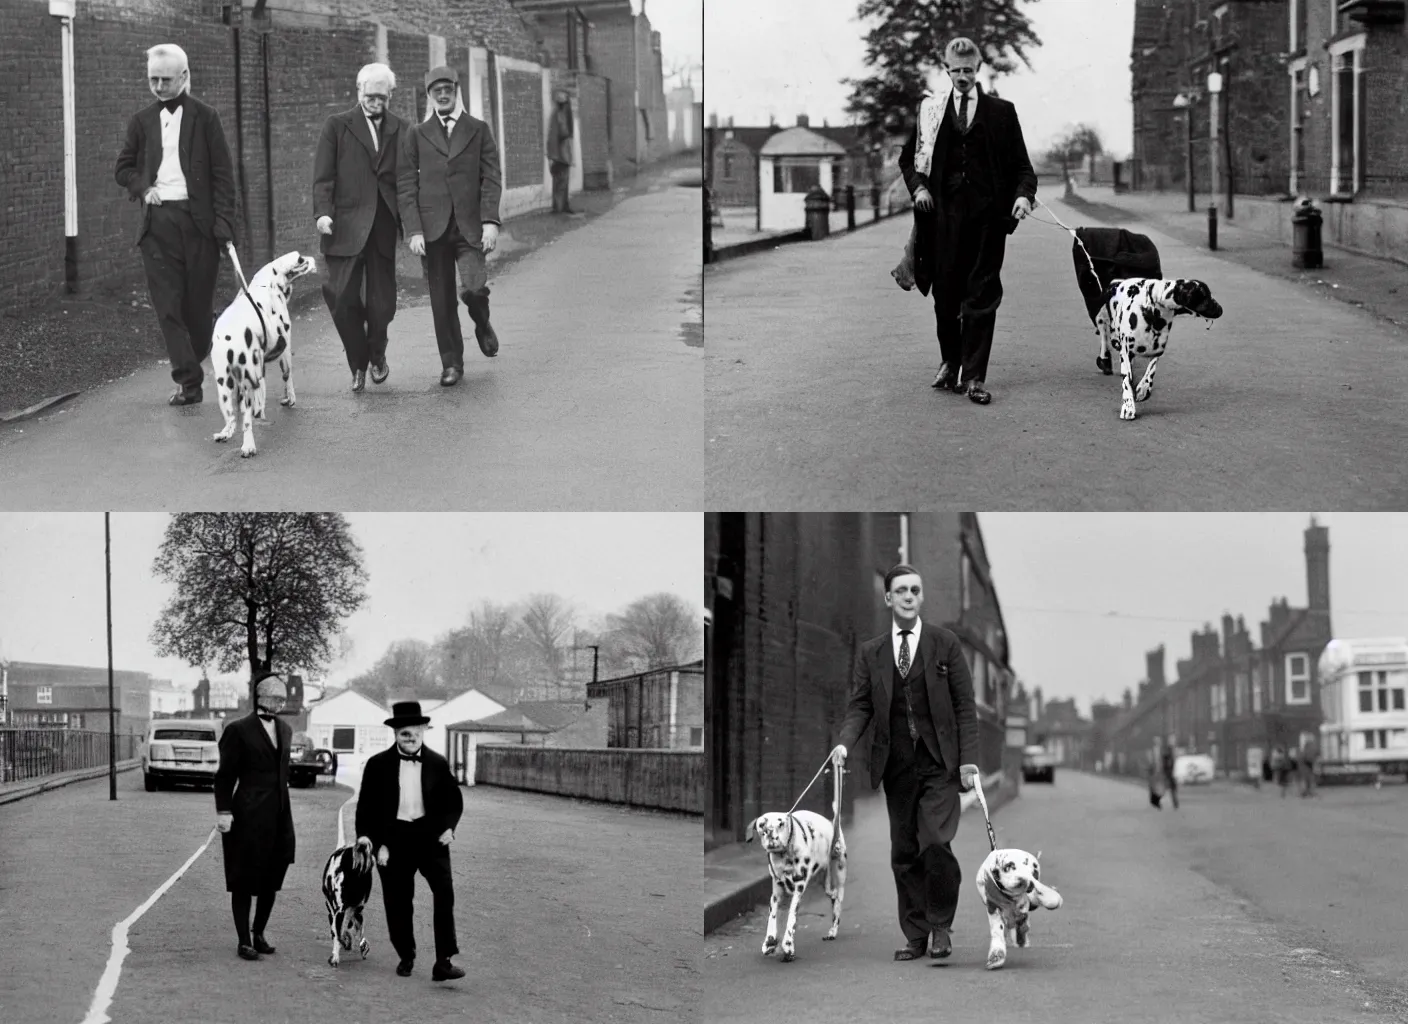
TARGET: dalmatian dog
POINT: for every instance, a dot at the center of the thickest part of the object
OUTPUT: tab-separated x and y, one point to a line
245	341
1011	887
347	883
800	846
1135	321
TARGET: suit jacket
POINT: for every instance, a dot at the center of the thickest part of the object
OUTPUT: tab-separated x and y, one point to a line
380	795
1009	171
252	784
435	178
349	173
950	690
205	161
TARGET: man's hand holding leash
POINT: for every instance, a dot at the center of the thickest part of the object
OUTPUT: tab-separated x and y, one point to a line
967	773
1022	208
923	201
224	821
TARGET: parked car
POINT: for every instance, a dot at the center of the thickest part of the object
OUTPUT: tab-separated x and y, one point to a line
1193	769
306	763
1038	764
181	750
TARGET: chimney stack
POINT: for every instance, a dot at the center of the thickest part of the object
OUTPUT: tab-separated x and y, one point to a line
1317	566
803	121
1154	667
713	120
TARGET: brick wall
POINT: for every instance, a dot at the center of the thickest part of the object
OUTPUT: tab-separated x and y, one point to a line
735	171
523	123
592	97
671	780
614	56
652	110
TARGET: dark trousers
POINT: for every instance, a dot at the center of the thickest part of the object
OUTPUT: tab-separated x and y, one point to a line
968	281
362	316
442	257
922	798
181	265
561	174
413	848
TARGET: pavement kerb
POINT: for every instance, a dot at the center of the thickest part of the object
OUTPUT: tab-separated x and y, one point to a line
740	898
62	779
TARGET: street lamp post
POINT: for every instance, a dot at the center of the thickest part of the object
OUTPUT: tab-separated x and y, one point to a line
1219	124
1185	102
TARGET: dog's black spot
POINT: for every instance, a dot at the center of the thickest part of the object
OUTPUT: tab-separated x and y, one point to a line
242	355
229	355
248	336
1133	320
1139	348
220	382
1155	318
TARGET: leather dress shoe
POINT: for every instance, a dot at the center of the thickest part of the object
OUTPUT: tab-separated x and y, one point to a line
380	371
249	953
404	968
185	397
488	340
940	945
977	393
445	971
359	379
912	950
451	376
946	378
261	946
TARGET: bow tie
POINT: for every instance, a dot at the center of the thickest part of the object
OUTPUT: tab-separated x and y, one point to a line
408	757
171	105
267	718
375	118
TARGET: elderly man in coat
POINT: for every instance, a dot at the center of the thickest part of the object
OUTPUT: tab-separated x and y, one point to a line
253	813
449	186
354	201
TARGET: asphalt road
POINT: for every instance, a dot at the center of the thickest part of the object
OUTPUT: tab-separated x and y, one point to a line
592	403
567	911
1238	907
817	391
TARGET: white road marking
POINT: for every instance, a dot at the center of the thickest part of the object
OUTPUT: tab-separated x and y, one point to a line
107	984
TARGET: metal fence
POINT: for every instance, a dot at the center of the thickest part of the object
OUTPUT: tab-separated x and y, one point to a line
33	753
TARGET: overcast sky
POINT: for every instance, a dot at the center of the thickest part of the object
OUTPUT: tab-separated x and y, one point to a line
681	27
1058	576
788	57
425	571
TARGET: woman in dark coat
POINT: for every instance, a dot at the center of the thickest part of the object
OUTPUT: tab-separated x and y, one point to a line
253	812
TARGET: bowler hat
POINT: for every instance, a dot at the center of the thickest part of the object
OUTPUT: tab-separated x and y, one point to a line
406	712
444	73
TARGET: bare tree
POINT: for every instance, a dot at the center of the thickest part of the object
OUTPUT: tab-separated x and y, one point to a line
657	631
474	655
260	587
545	621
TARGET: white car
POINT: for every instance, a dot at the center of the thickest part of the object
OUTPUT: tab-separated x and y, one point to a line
181	750
1193	769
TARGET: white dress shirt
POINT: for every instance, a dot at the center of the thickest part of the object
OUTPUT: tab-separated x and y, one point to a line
170	182
376	139
412	805
895	638
449	122
972	104
269	731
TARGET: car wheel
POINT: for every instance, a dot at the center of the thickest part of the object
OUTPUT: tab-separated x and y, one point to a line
148	782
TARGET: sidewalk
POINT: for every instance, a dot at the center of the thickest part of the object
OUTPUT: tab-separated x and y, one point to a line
1378	286
736	876
21	788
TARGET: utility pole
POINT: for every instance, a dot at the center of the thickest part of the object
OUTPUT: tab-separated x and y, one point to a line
112	710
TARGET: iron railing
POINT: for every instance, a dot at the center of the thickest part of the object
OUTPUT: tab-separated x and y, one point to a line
34	753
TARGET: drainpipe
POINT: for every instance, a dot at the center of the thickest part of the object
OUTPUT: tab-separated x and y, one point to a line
674	703
64	10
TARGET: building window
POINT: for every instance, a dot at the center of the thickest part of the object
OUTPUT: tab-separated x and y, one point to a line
1297	679
44	695
344	740
795	177
728	166
1219	701
1347	115
1366	692
696	735
1256	688
1398	698
964	583
1298	23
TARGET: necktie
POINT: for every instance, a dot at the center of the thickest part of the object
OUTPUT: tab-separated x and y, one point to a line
448	123
904	675
904	652
963	115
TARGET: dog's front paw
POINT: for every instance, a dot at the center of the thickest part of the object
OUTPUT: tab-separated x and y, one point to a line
365	947
770	945
1142	395
789	952
1103	364
220	437
1023	936
289	398
997	956
830	935
1127	410
248	450
332	961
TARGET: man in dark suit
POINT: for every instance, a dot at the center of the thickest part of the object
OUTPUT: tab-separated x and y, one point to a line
449	187
176	163
253	813
354	201
971	185
408	806
915	683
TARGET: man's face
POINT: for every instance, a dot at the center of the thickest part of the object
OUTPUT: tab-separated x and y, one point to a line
409	737
905	596
442	94
272	695
964	72
165	77
374	96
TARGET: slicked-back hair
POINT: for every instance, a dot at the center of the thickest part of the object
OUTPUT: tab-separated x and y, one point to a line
897	571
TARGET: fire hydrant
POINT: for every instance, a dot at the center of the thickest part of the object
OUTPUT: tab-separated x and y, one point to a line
1306	252
818	207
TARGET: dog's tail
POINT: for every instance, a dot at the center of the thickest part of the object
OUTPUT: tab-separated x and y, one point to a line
362	859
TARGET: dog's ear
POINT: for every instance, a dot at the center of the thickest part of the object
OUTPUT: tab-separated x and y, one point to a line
750	831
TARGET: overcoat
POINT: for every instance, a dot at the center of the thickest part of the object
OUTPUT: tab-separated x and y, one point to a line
950	691
252	784
380	795
435	177
205	163
349	173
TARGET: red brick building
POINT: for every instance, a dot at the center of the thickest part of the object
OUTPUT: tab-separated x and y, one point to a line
274	73
791	597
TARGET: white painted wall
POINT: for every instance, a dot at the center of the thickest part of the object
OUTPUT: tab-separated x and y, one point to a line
469	706
786	211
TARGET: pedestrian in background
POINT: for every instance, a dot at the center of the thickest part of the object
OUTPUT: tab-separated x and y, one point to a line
253	812
1169	780
914	683
1292	770
1155	774
354	176
175	161
560	150
448	184
1308	756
